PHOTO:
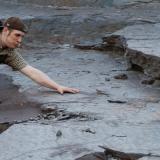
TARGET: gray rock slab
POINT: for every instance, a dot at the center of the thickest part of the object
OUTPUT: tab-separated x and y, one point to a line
149	158
36	141
143	38
129	127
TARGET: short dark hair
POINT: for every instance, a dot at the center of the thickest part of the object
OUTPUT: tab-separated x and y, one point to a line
15	23
1	25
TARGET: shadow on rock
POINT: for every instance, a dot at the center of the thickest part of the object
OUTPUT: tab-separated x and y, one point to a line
4	126
110	154
14	106
50	113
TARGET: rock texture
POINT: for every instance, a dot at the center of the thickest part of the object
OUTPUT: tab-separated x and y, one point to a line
147	58
121	114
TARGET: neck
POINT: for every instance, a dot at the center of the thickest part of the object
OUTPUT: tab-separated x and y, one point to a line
1	41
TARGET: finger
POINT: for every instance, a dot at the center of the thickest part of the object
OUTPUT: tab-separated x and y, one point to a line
75	90
61	91
72	90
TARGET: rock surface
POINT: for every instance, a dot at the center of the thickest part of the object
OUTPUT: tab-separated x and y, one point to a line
88	119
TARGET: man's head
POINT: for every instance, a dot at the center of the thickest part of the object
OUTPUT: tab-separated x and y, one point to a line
12	33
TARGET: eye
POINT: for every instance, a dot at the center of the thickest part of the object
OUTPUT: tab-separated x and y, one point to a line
18	35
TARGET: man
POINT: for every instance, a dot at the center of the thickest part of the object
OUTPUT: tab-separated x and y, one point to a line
11	34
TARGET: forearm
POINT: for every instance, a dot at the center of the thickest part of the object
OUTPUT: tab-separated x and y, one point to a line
42	79
39	77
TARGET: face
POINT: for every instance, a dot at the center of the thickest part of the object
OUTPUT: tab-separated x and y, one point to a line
13	38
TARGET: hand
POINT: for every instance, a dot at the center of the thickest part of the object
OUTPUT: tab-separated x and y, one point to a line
63	89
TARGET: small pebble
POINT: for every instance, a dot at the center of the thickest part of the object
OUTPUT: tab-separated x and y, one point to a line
59	133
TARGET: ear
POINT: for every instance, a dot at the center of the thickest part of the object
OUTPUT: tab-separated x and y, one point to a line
5	29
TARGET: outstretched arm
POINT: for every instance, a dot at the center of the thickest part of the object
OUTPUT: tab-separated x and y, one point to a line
42	79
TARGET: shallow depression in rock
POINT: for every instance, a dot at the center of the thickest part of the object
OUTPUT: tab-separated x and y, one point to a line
13	105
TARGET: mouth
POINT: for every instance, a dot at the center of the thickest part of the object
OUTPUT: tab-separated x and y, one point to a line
19	45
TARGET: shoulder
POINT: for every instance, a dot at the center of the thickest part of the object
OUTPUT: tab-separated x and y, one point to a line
15	60
7	51
12	51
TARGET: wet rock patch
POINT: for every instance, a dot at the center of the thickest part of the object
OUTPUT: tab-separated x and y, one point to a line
117	101
4	126
88	130
148	81
121	76
101	92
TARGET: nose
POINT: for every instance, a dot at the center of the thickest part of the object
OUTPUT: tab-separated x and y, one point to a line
19	40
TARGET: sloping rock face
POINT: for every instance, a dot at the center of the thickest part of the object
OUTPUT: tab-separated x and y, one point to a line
79	3
61	21
71	3
138	43
65	25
